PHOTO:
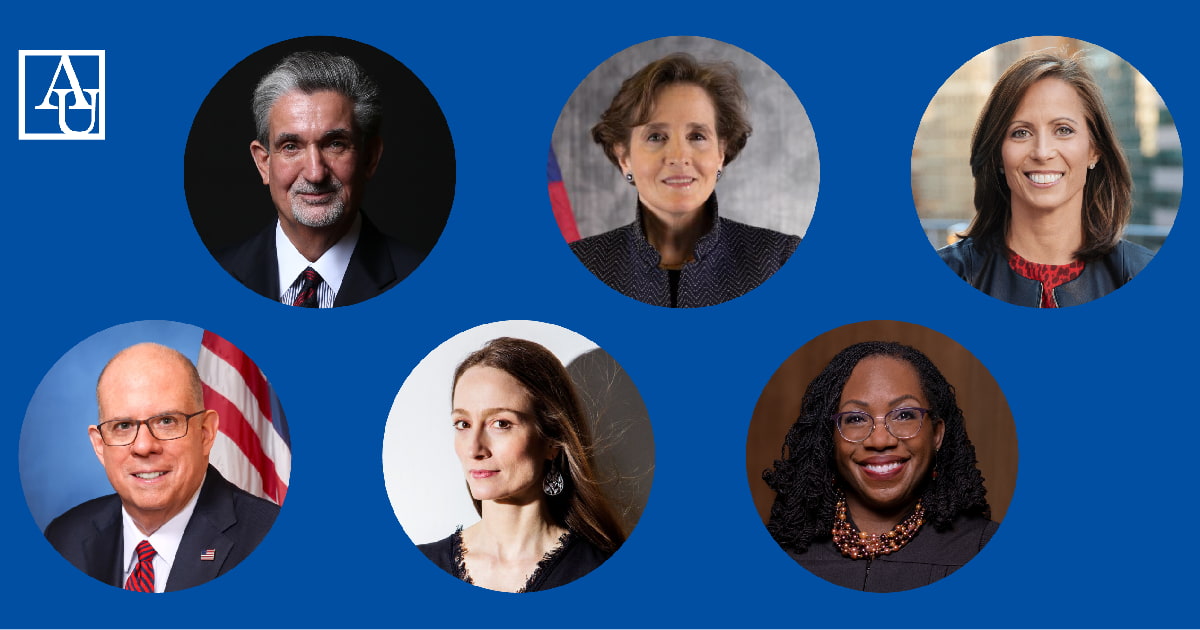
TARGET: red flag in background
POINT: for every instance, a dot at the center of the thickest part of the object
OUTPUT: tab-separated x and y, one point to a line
559	201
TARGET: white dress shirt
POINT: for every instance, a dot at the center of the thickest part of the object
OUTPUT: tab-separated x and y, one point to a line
331	265
165	541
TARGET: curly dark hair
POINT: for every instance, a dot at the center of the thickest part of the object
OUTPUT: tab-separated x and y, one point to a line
803	511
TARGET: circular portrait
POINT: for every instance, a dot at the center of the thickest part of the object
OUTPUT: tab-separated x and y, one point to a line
646	145
154	456
882	456
335	169
1047	172
518	456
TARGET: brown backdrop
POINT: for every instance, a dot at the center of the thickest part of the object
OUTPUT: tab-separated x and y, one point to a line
988	419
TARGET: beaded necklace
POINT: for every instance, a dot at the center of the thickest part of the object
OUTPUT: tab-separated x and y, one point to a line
857	544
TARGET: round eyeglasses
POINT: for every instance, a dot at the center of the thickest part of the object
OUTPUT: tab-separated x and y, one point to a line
902	423
168	426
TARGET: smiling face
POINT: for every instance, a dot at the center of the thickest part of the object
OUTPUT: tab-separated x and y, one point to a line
882	475
675	156
1047	150
317	165
154	478
501	453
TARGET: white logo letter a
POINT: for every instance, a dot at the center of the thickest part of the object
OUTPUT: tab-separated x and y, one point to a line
77	91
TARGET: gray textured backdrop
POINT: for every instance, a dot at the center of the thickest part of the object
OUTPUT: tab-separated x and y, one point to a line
773	182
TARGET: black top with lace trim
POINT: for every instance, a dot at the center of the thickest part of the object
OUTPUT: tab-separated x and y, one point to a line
573	558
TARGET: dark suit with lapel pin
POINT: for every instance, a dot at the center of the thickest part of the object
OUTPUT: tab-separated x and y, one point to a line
227	520
378	263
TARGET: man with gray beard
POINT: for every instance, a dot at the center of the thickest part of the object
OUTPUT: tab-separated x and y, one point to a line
318	118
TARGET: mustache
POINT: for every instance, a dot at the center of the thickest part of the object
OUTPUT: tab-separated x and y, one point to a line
305	187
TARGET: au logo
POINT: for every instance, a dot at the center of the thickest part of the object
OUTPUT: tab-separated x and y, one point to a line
62	95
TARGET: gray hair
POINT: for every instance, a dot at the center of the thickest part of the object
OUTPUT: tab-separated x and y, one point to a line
312	71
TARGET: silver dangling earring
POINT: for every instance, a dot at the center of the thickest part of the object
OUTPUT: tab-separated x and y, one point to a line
553	483
719	173
629	177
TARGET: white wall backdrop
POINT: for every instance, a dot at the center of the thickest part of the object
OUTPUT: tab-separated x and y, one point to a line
424	480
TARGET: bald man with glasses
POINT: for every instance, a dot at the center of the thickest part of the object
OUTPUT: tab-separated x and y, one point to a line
174	521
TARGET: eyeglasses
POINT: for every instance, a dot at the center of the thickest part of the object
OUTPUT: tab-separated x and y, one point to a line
902	423
168	426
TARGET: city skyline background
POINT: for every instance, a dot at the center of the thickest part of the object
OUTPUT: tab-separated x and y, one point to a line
942	185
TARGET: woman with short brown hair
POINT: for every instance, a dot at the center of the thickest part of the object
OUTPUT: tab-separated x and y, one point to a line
671	130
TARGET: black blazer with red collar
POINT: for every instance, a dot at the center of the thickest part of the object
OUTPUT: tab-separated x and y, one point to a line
227	520
378	263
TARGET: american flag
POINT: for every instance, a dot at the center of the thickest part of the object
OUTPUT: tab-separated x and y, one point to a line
559	203
209	554
253	448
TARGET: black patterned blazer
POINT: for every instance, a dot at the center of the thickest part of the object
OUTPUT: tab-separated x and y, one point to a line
730	260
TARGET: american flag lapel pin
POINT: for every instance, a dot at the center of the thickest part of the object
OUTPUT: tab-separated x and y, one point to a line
209	554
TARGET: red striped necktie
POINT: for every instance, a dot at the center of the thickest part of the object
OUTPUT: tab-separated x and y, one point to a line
307	297
142	578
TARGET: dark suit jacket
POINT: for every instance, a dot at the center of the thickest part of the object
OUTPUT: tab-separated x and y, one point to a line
378	263
227	519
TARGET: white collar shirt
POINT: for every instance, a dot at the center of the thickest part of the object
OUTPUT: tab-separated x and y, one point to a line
331	265
165	541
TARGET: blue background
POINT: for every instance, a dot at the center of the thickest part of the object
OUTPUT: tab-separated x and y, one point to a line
98	234
56	472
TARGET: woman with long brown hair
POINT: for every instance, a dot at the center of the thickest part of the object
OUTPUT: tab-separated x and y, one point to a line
1053	191
525	446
